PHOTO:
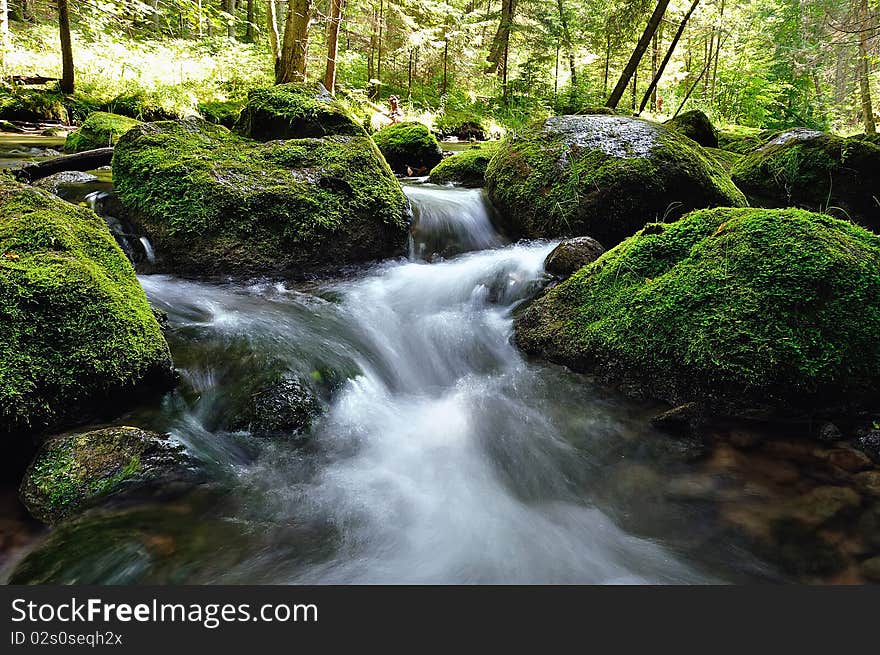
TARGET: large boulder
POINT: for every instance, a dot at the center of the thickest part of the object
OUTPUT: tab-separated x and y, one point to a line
696	126
409	148
294	111
78	334
99	130
601	176
748	311
214	203
76	471
467	168
816	171
741	138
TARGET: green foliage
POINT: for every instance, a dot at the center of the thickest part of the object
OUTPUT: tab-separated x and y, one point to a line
740	308
213	202
77	328
24	104
99	130
740	139
601	176
408	145
467	168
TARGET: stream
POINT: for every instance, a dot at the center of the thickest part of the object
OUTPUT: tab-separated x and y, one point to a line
442	456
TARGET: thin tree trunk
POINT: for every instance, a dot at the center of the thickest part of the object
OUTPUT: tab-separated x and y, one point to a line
295	47
668	55
566	40
607	63
864	70
379	41
637	54
635	84
336	7
250	34
155	17
274	37
498	50
717	53
409	73
67	76
655	56
4	29
445	61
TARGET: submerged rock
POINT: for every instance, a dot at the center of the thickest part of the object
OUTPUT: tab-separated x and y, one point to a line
696	126
55	183
287	407
74	472
78	334
215	203
294	111
409	148
816	171
750	311
99	130
601	176
571	255
467	168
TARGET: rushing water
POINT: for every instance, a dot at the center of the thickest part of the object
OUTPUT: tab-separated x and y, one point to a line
443	456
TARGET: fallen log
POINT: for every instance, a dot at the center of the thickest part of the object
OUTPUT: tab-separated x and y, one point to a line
80	161
33	80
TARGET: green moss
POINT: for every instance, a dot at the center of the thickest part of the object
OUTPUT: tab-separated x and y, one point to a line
76	471
601	176
408	145
225	112
23	104
77	328
815	171
294	111
463	123
743	309
739	138
99	130
467	167
213	202
725	158
695	125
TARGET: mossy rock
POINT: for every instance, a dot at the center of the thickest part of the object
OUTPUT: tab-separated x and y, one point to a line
221	112
32	105
214	203
815	171
74	472
696	126
409	148
601	176
571	255
78	334
467	168
740	138
462	124
725	158
752	312
294	111
99	130
286	407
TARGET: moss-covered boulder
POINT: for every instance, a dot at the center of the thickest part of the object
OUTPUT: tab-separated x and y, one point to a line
212	202
696	126
816	171
409	148
78	334
741	138
99	130
73	472
294	111
32	105
572	255
601	176
748	311
467	168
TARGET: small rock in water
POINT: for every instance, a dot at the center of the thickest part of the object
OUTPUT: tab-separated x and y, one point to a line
73	472
285	408
870	445
829	433
54	182
678	420
572	255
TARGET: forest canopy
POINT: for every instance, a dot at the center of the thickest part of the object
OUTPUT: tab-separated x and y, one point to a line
768	64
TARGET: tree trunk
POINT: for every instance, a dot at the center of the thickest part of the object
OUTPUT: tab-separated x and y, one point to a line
655	56
637	54
336	7
498	50
156	16
229	9
717	54
566	40
250	34
274	38
81	161
607	63
445	62
864	70
668	55
295	48
67	77
4	28
379	41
